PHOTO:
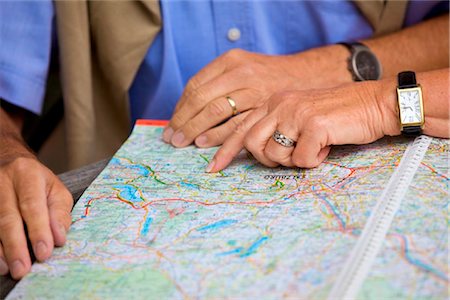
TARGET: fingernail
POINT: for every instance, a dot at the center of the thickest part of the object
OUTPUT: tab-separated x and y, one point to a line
178	139
167	134
210	166
3	267
40	249
201	140
17	268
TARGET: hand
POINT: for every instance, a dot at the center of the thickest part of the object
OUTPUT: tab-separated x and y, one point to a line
249	79
33	196
316	119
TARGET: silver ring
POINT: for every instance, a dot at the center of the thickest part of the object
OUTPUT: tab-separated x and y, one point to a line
233	105
282	139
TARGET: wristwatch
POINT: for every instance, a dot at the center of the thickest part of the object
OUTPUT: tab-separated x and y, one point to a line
410	104
362	63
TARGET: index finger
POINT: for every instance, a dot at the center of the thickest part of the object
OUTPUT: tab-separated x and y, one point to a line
235	142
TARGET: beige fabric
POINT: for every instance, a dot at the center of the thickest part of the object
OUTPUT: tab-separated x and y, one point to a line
102	44
384	16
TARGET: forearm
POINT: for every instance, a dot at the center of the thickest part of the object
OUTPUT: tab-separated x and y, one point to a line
436	102
423	47
419	48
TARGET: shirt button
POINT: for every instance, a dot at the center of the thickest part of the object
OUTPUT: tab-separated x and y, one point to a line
234	34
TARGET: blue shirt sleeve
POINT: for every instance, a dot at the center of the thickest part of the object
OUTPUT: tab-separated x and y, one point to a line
25	45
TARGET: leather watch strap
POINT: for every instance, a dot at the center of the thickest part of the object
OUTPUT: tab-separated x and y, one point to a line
412	131
407	79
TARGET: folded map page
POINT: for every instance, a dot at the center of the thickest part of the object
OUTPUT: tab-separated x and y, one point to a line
155	225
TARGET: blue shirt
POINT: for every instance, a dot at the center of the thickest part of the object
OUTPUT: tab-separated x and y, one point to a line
193	34
25	43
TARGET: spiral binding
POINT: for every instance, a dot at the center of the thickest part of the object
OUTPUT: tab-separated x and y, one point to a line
373	235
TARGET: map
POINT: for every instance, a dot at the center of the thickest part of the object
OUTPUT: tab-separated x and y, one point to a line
154	225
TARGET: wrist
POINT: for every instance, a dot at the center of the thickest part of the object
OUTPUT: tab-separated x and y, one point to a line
12	144
386	97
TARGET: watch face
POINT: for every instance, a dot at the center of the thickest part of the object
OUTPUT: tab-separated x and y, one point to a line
410	106
367	65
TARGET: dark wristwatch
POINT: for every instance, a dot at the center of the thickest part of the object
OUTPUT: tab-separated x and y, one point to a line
362	63
410	104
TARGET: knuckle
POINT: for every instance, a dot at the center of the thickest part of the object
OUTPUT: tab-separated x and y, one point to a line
280	97
241	128
235	54
302	162
315	123
270	164
304	111
60	197
287	95
197	98
234	122
215	109
191	129
177	121
192	85
63	217
67	196
59	207
60	212
66	199
250	146
22	165
247	71
215	137
270	154
8	221
28	204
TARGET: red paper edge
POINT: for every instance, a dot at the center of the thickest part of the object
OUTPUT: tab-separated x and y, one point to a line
145	122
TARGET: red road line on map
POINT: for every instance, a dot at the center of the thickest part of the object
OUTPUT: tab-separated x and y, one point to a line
87	208
209	204
434	171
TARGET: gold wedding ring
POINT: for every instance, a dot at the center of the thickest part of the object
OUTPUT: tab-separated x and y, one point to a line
233	105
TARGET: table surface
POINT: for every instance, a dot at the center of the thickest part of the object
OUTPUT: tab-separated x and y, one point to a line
76	181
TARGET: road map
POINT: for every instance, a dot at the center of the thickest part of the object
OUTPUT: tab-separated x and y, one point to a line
154	225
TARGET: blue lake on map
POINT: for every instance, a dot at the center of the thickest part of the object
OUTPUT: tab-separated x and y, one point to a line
128	192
